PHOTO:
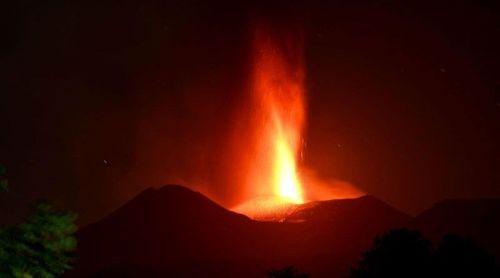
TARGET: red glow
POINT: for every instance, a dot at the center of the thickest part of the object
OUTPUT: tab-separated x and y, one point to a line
275	182
278	99
278	109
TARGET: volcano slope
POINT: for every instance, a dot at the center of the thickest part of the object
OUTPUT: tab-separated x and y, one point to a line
175	232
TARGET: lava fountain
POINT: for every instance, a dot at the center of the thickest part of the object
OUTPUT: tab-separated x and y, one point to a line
279	91
278	108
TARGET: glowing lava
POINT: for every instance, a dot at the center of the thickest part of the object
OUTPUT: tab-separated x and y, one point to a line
268	136
278	118
286	183
279	91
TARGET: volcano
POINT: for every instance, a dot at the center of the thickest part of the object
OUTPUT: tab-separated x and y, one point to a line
174	231
181	232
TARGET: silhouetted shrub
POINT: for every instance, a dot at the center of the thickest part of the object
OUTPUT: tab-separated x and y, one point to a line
287	272
398	253
461	257
42	246
405	253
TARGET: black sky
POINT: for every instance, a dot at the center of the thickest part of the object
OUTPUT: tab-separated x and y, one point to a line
101	100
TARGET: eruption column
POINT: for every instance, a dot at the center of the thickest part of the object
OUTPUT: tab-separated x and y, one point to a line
278	94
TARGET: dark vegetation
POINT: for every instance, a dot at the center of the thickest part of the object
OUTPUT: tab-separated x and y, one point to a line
406	253
41	245
3	180
286	272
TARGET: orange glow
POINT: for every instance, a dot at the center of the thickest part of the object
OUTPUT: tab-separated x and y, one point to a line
269	134
286	183
278	94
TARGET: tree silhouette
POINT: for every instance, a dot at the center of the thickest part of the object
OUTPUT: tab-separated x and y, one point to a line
398	253
405	253
286	272
4	185
41	246
457	256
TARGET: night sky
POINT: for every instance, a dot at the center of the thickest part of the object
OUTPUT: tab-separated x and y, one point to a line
102	100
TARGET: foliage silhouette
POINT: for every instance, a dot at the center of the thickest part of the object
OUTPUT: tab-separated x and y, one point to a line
398	253
4	185
405	253
461	257
286	272
41	246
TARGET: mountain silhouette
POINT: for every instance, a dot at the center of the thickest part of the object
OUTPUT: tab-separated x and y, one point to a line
174	231
347	210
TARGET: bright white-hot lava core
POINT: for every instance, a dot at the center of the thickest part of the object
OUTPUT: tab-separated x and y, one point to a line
269	135
278	109
278	78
